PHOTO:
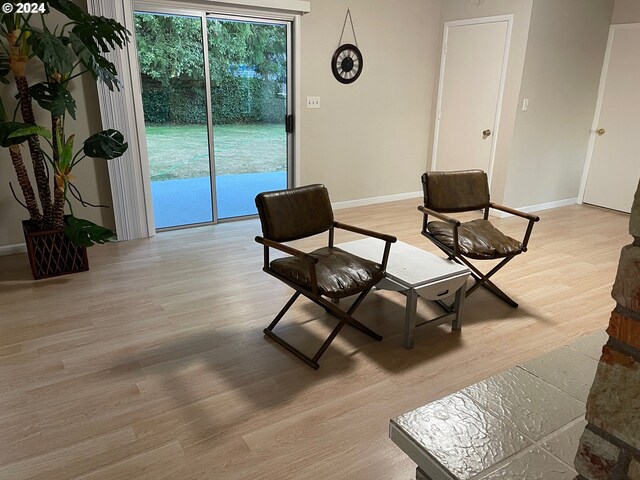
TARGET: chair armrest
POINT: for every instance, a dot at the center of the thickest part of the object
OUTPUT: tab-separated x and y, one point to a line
518	213
368	233
452	221
532	219
287	249
441	216
388	239
293	252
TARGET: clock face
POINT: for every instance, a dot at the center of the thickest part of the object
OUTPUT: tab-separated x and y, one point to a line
346	63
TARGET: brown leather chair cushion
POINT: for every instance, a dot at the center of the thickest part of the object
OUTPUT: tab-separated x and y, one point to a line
294	213
339	273
477	239
458	191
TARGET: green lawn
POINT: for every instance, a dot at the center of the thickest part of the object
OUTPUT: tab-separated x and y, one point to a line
180	151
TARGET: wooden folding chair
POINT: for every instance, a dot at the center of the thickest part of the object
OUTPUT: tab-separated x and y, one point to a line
325	273
465	191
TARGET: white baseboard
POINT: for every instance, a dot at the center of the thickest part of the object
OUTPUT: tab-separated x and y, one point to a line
373	200
537	208
12	249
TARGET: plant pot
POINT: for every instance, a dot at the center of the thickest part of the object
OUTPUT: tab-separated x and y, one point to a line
51	253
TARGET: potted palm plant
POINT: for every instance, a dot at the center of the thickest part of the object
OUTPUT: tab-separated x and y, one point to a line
56	239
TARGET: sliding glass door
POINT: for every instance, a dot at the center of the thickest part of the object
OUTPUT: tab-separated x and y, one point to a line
215	92
172	65
248	65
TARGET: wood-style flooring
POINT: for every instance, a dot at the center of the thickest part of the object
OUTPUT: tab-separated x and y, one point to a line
153	364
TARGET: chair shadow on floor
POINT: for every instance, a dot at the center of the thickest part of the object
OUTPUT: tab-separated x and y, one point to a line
384	312
219	379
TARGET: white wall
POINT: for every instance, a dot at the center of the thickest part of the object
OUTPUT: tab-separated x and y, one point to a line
369	138
565	51
521	11
626	11
91	176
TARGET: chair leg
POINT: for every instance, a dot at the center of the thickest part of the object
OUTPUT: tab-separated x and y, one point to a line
328	341
499	293
483	280
275	321
346	316
269	332
357	302
309	361
332	308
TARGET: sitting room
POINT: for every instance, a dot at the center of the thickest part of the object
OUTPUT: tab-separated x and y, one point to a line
199	195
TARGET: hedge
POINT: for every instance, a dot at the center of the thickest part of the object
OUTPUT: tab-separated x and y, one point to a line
234	100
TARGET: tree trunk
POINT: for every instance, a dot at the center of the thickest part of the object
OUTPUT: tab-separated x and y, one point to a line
39	169
60	182
25	183
58	206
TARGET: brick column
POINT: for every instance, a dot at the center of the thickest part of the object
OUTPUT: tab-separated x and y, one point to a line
610	445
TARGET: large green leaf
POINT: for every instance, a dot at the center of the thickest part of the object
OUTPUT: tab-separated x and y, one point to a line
92	60
15	133
107	145
52	51
54	97
86	234
65	155
28	130
3	112
102	34
68	8
8	20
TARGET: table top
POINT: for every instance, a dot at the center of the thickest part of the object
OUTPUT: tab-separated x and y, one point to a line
408	265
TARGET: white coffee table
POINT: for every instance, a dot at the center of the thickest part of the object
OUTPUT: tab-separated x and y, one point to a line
417	273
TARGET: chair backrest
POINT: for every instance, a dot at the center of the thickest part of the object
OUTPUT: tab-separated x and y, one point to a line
456	191
294	213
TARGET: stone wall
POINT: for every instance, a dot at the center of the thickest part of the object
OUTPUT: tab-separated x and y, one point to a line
610	445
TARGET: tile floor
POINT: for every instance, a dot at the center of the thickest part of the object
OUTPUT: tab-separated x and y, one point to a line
523	423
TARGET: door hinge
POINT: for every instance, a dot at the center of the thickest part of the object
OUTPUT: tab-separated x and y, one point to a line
289	123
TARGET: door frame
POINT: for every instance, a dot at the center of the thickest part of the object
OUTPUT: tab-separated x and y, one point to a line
290	20
598	109
503	75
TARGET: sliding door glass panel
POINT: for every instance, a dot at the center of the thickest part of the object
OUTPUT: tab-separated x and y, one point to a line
171	56
248	71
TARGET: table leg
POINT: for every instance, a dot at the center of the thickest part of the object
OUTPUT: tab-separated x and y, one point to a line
410	318
458	307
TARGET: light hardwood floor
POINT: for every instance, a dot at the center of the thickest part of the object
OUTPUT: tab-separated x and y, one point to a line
153	364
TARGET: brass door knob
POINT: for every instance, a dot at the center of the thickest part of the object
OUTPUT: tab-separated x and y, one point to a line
600	131
485	134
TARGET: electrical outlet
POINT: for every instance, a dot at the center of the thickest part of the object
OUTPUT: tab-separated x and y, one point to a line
313	102
525	105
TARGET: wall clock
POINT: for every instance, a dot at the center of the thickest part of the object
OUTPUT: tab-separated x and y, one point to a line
346	63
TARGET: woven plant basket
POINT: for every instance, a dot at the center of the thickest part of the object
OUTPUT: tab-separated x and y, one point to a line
51	253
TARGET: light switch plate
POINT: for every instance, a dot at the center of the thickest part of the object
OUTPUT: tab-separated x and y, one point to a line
313	102
525	105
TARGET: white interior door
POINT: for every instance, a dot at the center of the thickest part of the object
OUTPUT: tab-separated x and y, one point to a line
614	167
472	75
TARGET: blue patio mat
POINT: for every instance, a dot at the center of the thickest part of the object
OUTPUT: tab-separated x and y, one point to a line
188	200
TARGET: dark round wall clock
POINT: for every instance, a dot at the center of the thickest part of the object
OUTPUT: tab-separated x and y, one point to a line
346	63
